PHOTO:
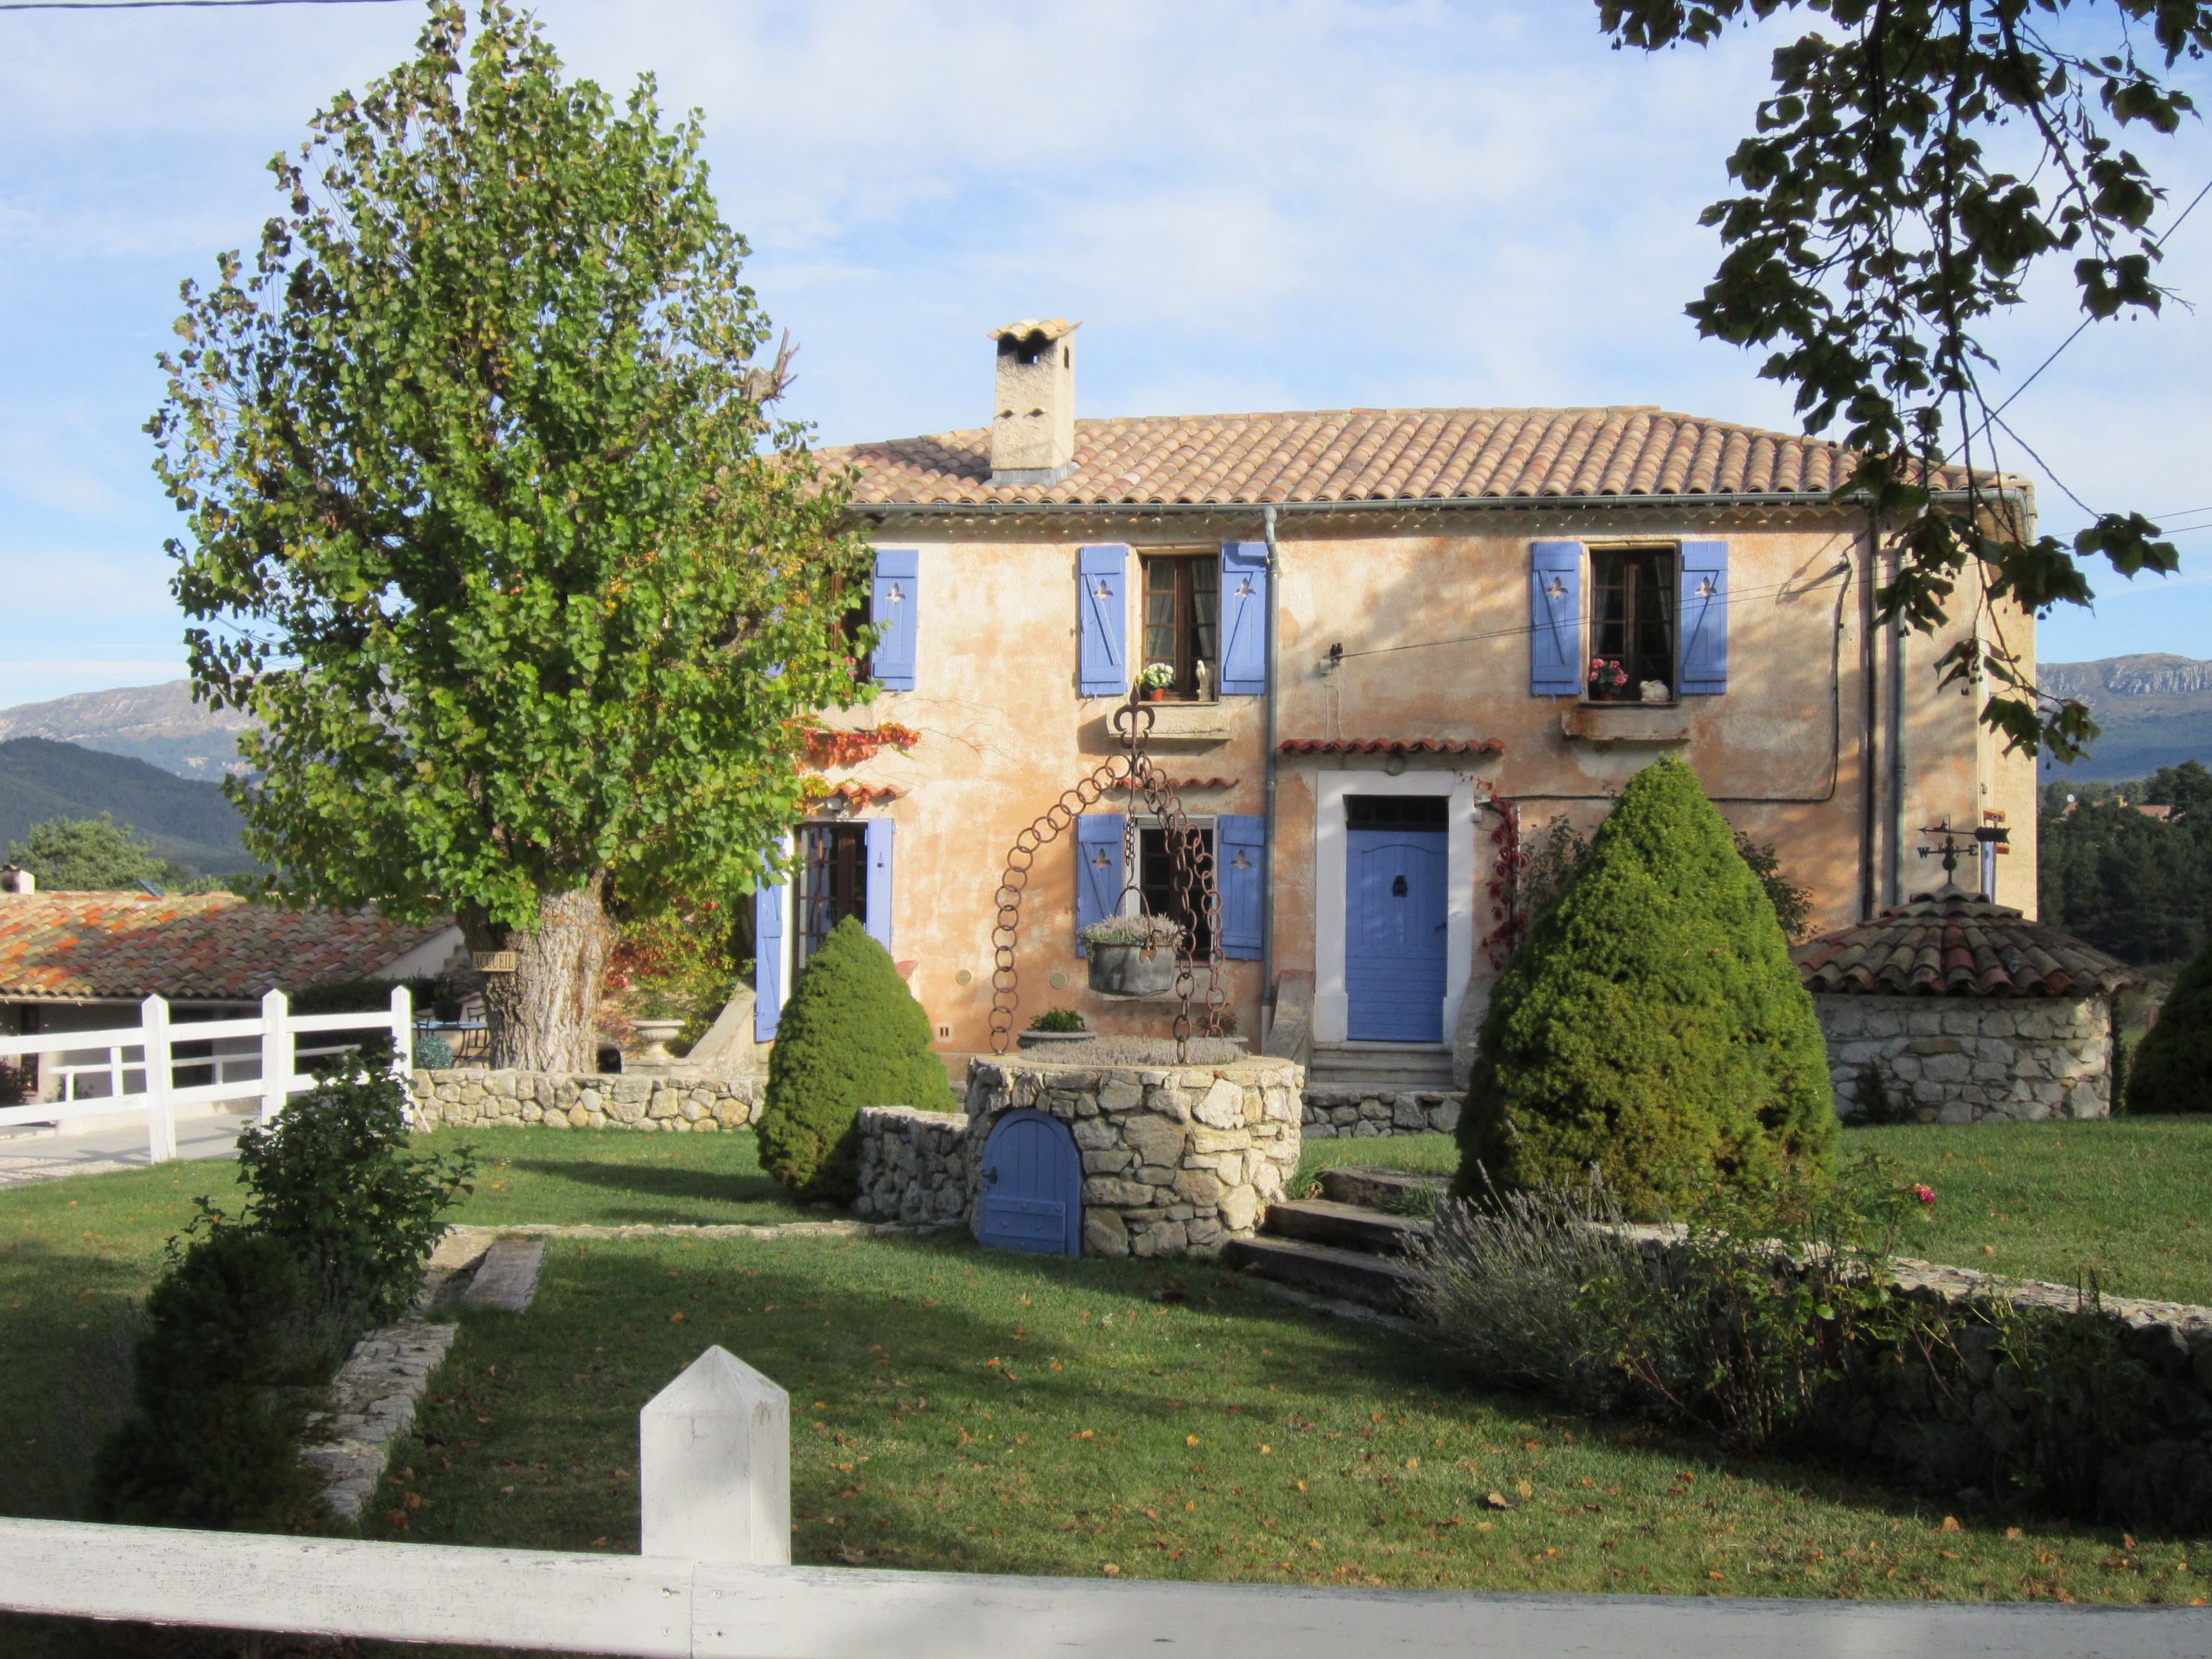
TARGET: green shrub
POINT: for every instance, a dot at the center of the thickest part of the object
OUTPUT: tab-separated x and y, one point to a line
1654	1027
433	1053
1058	1020
236	1342
331	1184
2172	1067
850	1036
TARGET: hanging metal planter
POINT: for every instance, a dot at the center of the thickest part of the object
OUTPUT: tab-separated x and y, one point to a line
1153	959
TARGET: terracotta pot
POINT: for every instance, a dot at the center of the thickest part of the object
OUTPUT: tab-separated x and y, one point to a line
1156	694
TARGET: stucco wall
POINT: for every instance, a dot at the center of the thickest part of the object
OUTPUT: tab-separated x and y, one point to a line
1003	732
1960	1059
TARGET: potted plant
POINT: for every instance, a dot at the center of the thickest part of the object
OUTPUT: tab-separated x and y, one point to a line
1157	680
1054	1026
1609	680
1133	955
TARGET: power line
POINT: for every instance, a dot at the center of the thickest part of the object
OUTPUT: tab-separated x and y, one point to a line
2076	335
152	5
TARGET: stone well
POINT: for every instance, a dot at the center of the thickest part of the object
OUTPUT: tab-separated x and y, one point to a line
1966	1010
1176	1158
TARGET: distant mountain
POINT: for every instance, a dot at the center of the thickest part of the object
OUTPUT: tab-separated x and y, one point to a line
180	819
2156	711
157	723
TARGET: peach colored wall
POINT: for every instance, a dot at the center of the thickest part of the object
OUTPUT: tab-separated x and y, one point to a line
1004	730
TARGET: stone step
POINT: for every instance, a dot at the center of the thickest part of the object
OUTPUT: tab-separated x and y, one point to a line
1346	1227
1374	1281
1372	1187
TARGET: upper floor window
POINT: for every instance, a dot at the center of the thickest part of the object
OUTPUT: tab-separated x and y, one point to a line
860	612
1183	624
1633	624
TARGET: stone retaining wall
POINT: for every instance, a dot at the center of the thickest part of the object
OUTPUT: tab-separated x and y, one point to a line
913	1165
470	1095
1176	1158
1348	1114
1958	1059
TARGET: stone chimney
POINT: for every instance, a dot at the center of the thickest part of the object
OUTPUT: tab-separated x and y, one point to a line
1033	419
13	880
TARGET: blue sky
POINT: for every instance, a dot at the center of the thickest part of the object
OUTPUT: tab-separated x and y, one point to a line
1297	205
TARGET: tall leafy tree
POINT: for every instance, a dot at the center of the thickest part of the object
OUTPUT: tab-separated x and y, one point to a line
1916	159
488	526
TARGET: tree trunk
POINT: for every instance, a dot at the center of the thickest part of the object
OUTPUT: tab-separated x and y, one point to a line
544	1015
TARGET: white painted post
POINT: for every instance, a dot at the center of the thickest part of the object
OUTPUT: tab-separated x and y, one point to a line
403	1033
275	1054
714	1466
161	1109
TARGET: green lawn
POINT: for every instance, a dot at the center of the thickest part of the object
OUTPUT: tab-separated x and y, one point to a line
1430	1154
2129	1200
615	1177
958	1411
986	1412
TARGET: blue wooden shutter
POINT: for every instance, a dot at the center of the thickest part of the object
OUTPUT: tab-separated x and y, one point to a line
768	960
896	595
1704	618
1243	618
1240	865
878	923
1098	870
1103	575
1555	619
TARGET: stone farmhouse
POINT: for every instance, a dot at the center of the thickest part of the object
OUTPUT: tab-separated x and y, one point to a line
1376	629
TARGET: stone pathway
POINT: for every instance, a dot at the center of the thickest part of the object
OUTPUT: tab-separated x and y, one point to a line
372	1399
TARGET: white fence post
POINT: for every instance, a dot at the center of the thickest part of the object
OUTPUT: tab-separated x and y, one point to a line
275	1054
714	1466
161	1110
402	1034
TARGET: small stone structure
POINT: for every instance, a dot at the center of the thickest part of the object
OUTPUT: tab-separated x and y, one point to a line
470	1097
1346	1114
913	1165
1176	1158
372	1403
1967	1009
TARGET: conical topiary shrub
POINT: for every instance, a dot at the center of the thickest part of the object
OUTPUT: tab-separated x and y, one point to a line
1654	1026
2172	1067
851	1035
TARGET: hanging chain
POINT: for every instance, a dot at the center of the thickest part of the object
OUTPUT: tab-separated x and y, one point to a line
1187	855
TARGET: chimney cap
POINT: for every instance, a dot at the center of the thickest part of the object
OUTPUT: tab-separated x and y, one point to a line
1048	328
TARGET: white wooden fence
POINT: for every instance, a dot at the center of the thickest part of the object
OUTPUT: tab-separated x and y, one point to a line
714	1486
257	1059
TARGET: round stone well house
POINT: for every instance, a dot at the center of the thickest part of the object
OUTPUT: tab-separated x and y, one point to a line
1095	1157
1965	1010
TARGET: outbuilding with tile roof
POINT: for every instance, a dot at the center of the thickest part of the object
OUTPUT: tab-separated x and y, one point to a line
1963	1009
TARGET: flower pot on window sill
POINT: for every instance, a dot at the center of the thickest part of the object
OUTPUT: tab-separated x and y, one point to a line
1154	693
1130	970
1625	722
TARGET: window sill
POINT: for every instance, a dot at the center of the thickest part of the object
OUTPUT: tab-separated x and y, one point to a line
1625	722
1187	725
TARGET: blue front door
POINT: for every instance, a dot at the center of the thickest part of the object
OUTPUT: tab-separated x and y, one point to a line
1032	1188
1393	935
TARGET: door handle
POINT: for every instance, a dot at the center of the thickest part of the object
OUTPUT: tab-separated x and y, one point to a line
990	1175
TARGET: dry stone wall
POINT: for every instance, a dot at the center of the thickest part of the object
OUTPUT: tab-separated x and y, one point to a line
1960	1059
1176	1158
1350	1113
470	1097
913	1165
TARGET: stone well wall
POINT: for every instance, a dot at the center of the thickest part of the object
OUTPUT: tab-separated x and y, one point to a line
1176	1158
913	1165
470	1096
1960	1060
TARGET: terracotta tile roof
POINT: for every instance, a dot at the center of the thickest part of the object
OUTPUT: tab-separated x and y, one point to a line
1390	746
1364	454
214	945
1952	942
